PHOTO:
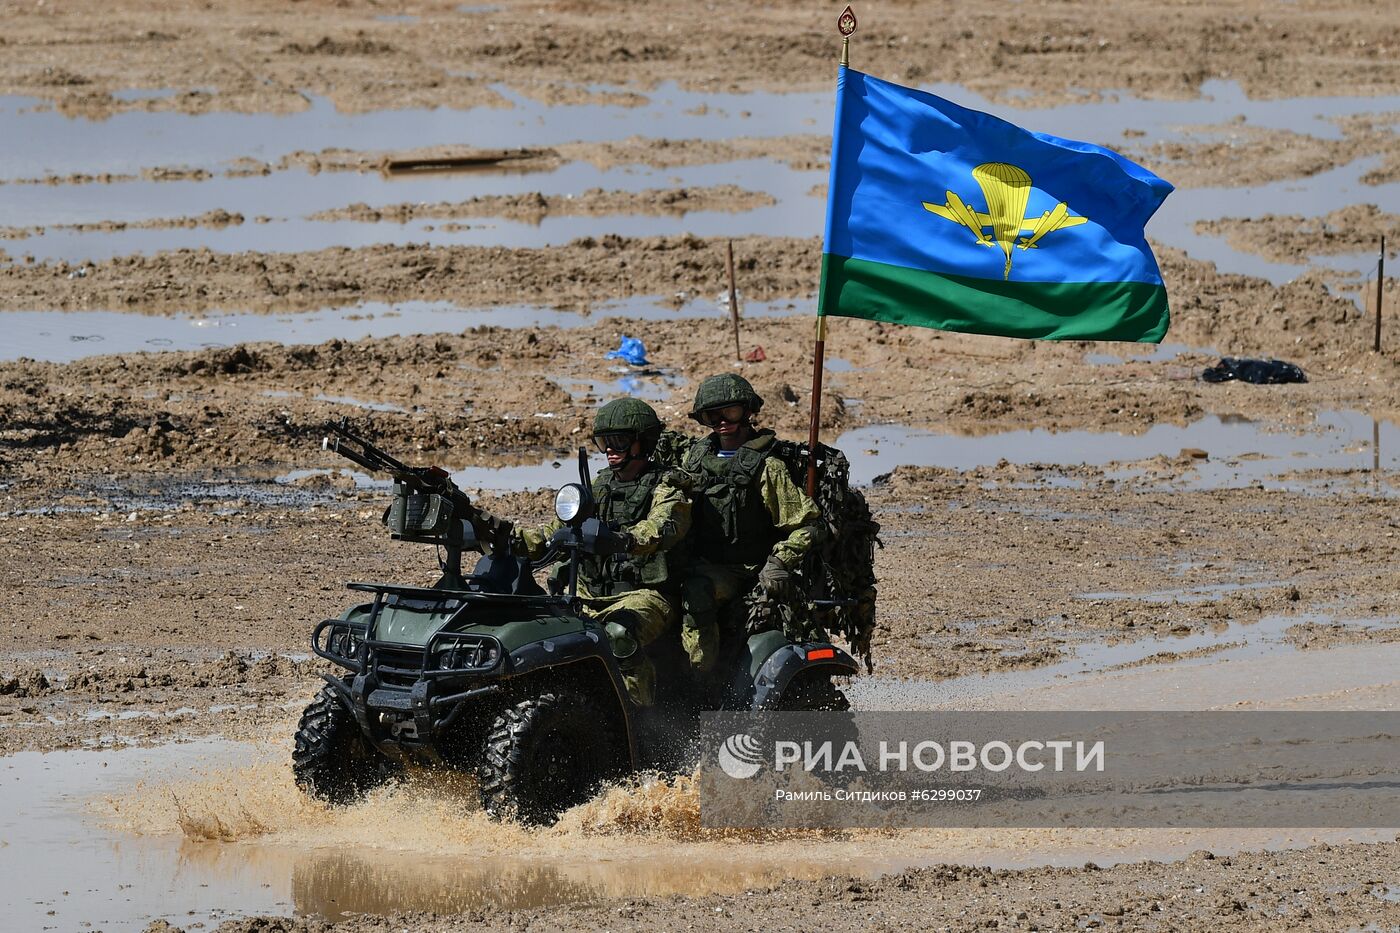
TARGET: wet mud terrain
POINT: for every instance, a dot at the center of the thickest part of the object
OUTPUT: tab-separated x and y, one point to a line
223	230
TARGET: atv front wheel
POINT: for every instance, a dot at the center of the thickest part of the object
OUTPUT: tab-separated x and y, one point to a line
546	754
331	760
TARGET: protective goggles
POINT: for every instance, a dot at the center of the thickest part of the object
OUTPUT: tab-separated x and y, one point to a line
711	417
620	442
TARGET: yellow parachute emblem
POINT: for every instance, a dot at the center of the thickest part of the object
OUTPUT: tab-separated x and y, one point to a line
1006	189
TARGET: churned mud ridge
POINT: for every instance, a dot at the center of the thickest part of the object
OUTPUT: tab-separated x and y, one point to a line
1232	155
496	394
77	178
1324	886
267	57
1209	309
91	695
215	408
1326	635
215	220
581	274
801	152
153	173
534	206
488	396
1092	565
1355	228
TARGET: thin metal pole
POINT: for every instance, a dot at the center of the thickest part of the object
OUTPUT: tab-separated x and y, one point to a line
845	24
1380	292
733	298
814	430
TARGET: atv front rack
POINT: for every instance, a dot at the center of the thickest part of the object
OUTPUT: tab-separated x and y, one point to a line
445	595
447	654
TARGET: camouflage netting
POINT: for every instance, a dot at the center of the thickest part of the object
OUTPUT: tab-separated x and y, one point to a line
840	571
671	448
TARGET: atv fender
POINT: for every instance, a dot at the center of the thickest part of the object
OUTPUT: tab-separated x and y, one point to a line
770	662
573	648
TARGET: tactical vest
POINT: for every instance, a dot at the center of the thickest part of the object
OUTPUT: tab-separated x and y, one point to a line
623	504
730	522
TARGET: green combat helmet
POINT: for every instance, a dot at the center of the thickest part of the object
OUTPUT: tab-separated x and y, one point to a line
629	416
725	389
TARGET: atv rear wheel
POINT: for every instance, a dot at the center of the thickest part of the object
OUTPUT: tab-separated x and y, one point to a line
813	690
332	761
545	754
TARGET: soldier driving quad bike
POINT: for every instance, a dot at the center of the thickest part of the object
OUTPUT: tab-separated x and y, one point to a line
536	691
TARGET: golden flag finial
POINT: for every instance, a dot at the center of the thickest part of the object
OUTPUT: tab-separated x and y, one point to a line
846	24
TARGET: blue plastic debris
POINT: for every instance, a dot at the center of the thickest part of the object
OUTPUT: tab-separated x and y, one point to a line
630	350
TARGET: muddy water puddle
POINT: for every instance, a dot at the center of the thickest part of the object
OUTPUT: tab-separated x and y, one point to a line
1158	353
42	142
1239	452
1237	663
202	831
277	209
64	336
48	144
652	385
1315	196
193	832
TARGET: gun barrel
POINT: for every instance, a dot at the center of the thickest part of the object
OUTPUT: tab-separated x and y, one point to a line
367	455
349	453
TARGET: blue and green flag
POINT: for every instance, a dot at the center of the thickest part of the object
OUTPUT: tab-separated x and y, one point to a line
945	217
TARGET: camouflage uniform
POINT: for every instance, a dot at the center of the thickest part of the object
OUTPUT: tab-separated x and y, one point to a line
632	594
748	513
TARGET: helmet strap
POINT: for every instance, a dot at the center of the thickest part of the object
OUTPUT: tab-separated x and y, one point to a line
628	460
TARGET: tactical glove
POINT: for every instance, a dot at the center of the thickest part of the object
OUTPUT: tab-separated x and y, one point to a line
775	578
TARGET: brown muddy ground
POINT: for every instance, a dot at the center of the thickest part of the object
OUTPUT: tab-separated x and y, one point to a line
265	56
578	275
494	395
209	604
534	207
1250	155
1290	238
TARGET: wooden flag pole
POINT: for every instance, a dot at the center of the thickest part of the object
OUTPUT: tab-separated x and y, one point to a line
733	298
1375	447
1380	292
814	429
845	24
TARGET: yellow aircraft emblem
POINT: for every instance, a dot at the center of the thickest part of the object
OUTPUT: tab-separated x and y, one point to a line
1006	189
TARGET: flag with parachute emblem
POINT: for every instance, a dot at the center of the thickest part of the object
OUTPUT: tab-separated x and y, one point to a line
945	217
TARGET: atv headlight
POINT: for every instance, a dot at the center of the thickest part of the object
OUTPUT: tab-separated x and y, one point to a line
568	502
344	644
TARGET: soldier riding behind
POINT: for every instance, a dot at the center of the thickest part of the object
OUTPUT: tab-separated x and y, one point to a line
632	592
751	523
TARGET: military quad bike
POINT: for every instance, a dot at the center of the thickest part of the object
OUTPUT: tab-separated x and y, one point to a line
492	674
